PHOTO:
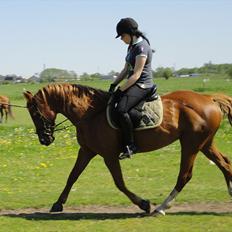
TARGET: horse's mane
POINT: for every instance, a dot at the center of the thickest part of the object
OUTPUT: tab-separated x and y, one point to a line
72	95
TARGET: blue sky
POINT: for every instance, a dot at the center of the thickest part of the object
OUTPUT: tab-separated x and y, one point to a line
79	35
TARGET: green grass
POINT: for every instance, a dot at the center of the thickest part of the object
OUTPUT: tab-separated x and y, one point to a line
174	223
32	175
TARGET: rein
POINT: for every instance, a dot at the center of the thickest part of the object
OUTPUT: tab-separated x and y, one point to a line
42	116
45	120
19	106
62	128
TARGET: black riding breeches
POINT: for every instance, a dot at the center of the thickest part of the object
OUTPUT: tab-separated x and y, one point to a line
129	99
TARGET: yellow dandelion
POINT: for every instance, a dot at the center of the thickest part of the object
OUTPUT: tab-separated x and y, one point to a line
43	165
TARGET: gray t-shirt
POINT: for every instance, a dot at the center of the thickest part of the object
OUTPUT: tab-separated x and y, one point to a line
141	48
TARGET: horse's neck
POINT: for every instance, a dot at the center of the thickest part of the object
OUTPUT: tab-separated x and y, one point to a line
77	105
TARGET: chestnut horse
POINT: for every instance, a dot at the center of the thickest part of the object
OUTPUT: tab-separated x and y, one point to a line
188	116
5	107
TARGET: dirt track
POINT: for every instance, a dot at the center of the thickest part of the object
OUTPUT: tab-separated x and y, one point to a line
114	212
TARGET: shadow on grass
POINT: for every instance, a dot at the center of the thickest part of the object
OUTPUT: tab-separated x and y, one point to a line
194	213
102	216
73	216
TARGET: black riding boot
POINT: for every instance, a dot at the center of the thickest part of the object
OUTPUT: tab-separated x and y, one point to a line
126	126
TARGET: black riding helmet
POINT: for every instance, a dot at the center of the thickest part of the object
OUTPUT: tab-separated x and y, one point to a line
126	25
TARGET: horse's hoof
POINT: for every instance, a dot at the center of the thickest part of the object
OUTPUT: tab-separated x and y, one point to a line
57	207
145	205
157	213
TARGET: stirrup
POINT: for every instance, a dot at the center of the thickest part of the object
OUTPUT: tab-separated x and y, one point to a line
127	153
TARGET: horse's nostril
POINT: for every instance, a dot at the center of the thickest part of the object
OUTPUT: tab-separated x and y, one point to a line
42	140
46	140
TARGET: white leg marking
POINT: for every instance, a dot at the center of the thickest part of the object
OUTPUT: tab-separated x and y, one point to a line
167	203
230	188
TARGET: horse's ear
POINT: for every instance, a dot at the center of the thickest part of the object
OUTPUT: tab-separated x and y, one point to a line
28	95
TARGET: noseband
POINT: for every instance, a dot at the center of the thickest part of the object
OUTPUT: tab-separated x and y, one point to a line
48	125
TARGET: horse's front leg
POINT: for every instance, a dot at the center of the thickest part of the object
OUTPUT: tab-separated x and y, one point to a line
82	161
188	155
114	167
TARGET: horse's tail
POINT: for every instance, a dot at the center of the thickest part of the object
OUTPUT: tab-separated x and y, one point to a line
225	104
10	111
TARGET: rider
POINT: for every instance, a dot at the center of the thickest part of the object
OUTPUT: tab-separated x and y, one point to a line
139	83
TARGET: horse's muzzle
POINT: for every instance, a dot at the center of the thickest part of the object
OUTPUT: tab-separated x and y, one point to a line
46	140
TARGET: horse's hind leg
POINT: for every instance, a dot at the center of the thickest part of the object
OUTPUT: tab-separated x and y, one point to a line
6	115
115	169
1	113
211	152
188	155
82	161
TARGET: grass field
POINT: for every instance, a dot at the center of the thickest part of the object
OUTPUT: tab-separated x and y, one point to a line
32	176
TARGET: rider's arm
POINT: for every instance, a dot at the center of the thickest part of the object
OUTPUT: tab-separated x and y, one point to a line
122	75
139	65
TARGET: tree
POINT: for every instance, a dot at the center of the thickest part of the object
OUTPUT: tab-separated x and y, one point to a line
158	72
113	73
84	76
229	73
54	74
167	73
95	76
163	72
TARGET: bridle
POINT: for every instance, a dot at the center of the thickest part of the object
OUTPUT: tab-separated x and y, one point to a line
46	122
48	126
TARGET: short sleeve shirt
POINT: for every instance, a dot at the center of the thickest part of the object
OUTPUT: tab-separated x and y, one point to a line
141	48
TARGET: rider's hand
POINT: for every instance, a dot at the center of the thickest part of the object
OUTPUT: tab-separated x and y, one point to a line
117	94
112	88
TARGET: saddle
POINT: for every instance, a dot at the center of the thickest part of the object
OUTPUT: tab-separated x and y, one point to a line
150	111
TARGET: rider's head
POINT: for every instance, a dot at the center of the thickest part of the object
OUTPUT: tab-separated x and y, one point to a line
126	26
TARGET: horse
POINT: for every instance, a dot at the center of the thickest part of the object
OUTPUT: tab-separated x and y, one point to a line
5	107
188	116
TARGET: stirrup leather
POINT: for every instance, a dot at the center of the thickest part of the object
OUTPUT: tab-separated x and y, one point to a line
127	153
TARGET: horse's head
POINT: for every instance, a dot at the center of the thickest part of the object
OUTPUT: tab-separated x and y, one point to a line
43	118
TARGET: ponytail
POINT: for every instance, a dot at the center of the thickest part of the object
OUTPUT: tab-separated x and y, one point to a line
139	34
